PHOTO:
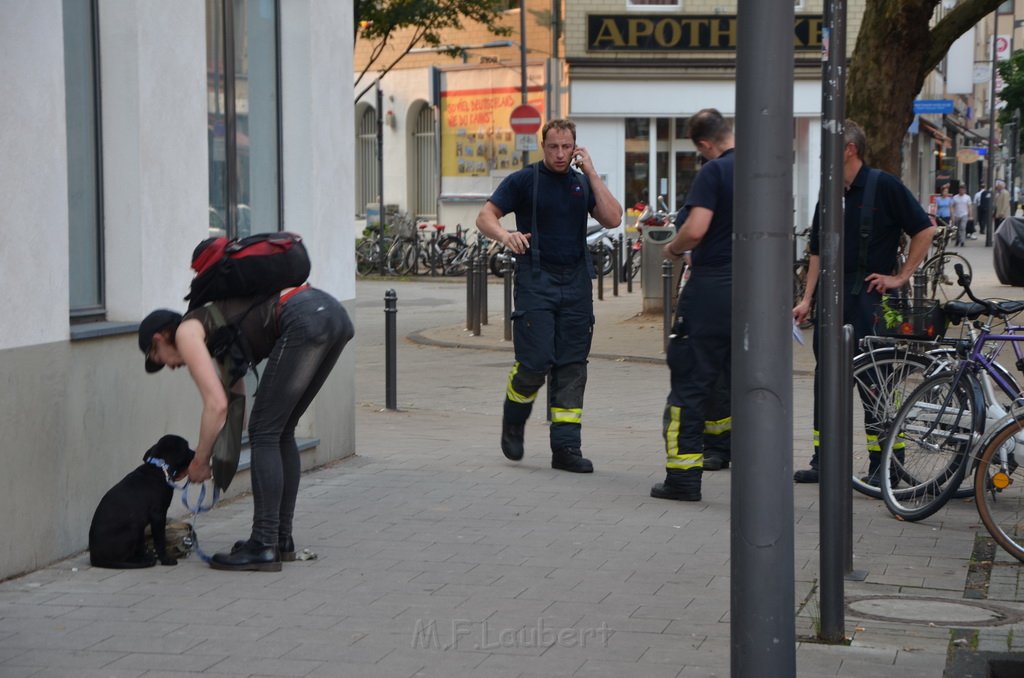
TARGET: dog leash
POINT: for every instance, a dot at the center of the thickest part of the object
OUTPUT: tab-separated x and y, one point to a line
196	510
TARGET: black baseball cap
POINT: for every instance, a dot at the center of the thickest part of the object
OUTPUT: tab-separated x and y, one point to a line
154	322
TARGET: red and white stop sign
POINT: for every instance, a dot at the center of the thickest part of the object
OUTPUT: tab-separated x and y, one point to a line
525	119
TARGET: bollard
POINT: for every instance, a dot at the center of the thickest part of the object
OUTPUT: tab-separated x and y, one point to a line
390	350
617	259
849	351
629	266
475	311
506	274
666	300
920	284
470	295
484	273
600	272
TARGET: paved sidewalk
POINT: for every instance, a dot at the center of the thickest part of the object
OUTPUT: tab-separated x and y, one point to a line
436	557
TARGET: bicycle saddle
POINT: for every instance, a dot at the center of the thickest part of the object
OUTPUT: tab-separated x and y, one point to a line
957	311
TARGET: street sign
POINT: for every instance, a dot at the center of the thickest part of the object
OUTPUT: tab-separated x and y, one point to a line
526	142
925	106
525	119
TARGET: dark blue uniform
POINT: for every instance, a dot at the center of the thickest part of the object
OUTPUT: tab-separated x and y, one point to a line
894	211
553	319
699	354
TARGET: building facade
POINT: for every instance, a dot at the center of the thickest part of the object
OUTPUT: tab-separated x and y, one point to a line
130	132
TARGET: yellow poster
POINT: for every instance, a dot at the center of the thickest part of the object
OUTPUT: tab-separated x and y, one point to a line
476	138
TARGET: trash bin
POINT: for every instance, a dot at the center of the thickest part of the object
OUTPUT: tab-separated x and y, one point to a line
654	240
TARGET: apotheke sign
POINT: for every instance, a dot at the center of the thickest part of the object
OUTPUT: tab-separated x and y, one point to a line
684	32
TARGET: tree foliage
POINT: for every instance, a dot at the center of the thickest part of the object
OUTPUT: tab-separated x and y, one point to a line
382	23
896	49
1012	72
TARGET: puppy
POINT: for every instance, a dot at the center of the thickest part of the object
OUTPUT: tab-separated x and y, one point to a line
117	534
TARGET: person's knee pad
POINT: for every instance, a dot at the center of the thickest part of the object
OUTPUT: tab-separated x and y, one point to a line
523	384
568	383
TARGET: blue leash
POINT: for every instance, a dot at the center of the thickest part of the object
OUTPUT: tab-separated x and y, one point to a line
196	510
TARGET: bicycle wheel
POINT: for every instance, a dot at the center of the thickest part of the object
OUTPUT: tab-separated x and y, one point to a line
940	272
366	259
882	377
927	449
999	485
401	257
631	268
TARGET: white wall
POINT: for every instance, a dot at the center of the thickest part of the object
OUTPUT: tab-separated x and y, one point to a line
33	173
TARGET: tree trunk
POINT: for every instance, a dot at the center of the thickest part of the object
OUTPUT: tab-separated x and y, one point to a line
896	49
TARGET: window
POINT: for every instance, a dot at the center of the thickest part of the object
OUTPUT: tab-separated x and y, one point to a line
366	160
425	164
85	167
243	130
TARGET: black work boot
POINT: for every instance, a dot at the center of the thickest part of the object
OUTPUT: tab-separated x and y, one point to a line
251	555
571	459
679	485
512	439
808	475
285	545
715	462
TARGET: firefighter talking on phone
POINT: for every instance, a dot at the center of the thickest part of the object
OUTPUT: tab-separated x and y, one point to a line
554	312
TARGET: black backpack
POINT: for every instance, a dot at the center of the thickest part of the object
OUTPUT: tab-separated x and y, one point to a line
260	264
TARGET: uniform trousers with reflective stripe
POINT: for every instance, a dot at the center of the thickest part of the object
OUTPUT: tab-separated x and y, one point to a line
698	356
858	311
552	329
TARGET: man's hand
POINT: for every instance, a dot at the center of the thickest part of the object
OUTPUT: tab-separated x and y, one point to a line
516	242
883	283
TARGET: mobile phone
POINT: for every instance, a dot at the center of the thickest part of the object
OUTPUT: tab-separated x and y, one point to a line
576	159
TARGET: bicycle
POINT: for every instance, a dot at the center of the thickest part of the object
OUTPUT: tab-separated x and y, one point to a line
945	417
999	485
936	268
371	253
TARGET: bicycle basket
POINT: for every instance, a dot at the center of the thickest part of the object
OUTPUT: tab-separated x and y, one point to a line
910	319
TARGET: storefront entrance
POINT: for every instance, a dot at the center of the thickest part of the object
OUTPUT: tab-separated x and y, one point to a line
659	162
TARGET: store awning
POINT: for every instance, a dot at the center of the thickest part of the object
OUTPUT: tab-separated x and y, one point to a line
936	133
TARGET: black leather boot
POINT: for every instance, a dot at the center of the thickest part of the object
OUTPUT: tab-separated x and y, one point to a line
571	459
286	546
251	555
512	439
679	485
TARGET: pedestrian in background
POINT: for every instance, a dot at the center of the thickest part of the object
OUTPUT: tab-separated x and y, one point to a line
962	204
553	320
944	206
982	211
699	350
869	262
1000	203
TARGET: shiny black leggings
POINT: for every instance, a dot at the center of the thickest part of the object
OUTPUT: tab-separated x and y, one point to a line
314	328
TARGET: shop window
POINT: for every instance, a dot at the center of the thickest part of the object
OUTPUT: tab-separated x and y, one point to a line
243	128
84	162
638	159
366	160
425	163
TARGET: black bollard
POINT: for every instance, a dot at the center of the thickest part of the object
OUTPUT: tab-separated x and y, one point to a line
470	294
600	272
666	300
390	350
506	272
484	272
629	266
475	311
617	259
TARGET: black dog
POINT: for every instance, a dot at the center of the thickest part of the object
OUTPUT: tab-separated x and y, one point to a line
116	537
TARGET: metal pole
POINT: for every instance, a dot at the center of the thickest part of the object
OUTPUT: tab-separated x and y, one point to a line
629	266
482	281
763	630
506	274
600	272
470	295
475	311
849	351
617	262
666	300
380	177
989	222
833	402
390	350
522	66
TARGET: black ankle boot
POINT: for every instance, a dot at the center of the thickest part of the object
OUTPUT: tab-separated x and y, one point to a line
571	459
249	555
285	545
512	440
